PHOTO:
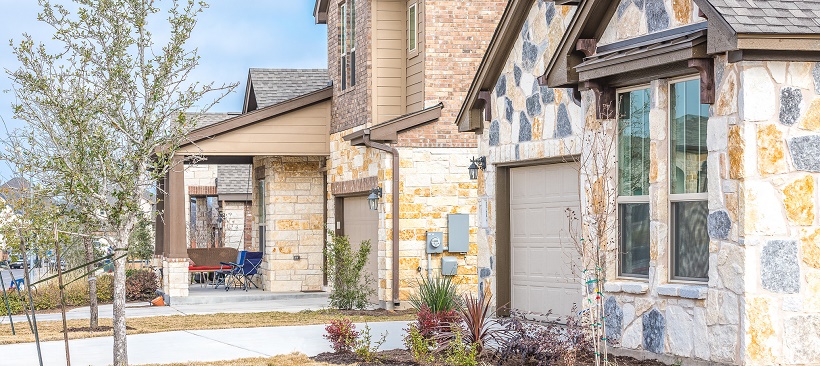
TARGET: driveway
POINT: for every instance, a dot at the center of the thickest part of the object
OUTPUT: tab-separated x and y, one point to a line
196	345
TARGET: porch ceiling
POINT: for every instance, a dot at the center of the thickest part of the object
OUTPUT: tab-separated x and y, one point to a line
297	127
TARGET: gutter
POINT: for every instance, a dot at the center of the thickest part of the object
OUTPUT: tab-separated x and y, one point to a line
395	204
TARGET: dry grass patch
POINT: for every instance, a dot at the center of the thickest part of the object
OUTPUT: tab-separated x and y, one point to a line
293	359
52	330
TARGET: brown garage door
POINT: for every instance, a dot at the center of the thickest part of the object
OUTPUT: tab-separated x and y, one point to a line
360	224
542	253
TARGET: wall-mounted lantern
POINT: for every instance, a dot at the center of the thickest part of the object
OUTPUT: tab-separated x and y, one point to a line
480	163
373	198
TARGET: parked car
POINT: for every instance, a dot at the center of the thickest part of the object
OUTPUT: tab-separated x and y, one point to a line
16	265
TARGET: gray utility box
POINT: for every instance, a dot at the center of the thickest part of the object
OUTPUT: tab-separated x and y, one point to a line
435	242
458	233
449	266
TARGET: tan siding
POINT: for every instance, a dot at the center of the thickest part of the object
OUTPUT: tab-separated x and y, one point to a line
390	62
301	132
415	64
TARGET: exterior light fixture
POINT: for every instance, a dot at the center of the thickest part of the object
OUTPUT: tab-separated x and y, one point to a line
480	163
373	198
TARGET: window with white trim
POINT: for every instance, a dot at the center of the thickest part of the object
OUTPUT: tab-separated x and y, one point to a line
633	183
688	179
412	22
343	44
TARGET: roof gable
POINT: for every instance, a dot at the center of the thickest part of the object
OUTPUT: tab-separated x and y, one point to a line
267	87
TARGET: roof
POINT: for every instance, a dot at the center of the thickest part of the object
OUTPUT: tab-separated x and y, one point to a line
770	16
14	189
492	64
207	119
267	87
233	179
320	11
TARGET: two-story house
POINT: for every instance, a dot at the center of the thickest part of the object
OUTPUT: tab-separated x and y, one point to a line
400	69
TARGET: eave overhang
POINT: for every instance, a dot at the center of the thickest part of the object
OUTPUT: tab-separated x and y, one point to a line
388	131
470	117
320	11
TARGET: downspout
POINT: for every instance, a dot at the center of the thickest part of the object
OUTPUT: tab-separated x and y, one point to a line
395	210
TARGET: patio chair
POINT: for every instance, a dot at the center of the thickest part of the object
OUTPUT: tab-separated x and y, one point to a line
232	277
250	268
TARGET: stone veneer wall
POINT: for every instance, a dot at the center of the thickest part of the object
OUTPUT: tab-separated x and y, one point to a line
773	145
434	182
233	225
639	17
295	226
530	122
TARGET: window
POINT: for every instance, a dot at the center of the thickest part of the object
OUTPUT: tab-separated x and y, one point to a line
633	182
260	195
688	179
412	15
343	44
352	42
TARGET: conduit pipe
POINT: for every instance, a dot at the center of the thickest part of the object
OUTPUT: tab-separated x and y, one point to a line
395	210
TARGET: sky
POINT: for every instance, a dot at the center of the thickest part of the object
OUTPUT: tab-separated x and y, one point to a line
231	36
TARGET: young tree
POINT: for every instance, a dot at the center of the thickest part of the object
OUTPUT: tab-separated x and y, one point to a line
105	112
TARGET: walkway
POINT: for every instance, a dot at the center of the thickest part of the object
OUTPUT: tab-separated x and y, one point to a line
195	345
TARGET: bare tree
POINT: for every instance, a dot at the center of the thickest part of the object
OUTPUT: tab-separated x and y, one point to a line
106	111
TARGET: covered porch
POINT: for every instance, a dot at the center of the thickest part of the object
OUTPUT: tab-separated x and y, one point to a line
286	145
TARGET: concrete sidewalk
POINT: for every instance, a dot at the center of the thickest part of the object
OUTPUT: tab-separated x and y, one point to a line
196	345
285	303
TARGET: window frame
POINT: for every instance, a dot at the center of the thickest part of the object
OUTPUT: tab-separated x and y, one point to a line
626	199
262	213
343	45
414	9
351	59
679	197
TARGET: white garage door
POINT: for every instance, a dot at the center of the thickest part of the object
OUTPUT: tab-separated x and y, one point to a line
542	252
360	224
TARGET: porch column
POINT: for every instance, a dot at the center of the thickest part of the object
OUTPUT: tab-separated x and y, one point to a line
175	248
159	222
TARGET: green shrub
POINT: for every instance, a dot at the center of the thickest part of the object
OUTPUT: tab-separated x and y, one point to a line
365	348
351	287
141	285
461	353
420	347
439	294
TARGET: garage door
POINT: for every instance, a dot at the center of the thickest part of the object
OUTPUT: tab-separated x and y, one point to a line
542	252
360	224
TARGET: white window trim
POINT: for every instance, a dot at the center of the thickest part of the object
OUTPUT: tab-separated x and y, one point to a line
677	197
626	199
414	7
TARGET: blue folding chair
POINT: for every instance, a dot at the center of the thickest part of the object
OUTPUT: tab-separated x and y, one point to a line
250	268
232	277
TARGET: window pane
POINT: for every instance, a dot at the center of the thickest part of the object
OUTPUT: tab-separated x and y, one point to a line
634	241
411	27
352	24
688	125
343	29
633	143
690	241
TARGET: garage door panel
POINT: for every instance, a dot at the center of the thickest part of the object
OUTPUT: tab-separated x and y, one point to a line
541	250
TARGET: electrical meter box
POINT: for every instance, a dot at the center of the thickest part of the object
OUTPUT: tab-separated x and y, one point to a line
449	266
458	233
435	242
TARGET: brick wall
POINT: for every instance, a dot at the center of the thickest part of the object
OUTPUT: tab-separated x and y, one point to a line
351	107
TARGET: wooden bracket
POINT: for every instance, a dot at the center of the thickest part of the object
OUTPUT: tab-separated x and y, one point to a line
587	45
702	14
542	80
486	102
605	99
705	67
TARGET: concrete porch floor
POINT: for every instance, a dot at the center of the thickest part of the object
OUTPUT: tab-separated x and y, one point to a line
198	295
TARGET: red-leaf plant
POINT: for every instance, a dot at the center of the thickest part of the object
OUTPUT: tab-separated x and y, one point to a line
342	334
475	324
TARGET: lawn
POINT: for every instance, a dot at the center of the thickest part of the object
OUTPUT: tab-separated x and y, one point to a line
52	330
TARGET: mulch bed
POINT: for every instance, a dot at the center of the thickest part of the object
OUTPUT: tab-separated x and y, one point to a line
400	357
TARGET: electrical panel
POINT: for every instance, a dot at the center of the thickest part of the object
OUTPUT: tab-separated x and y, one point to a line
435	242
449	266
458	233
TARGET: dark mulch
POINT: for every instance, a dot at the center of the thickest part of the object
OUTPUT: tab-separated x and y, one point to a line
103	328
400	357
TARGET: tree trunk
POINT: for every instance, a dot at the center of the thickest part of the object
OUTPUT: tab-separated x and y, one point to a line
120	343
92	282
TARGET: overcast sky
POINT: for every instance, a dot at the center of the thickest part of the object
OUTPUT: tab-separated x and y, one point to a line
231	36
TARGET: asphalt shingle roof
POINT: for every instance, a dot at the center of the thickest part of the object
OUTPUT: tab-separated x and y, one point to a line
233	179
272	86
770	16
207	119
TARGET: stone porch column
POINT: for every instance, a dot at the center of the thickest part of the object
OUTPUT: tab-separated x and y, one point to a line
175	254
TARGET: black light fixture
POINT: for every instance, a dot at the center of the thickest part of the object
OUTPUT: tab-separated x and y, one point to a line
480	163
373	198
